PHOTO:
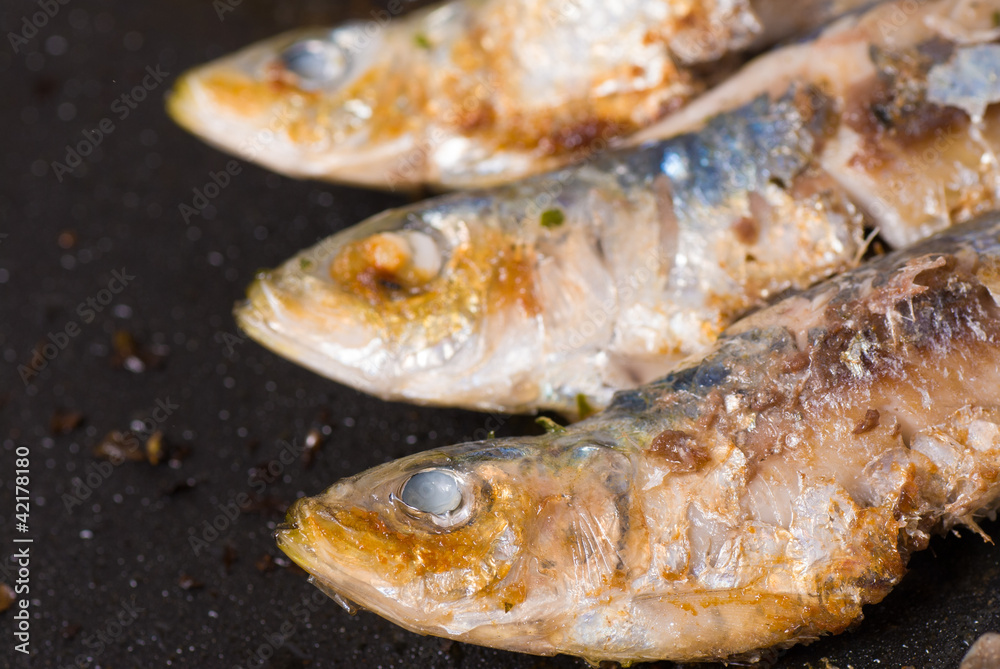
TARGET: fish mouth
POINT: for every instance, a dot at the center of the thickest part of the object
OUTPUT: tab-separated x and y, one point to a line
306	537
232	105
294	539
253	132
309	326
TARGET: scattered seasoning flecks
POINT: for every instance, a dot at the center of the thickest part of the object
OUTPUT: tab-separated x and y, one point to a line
314	440
552	218
549	425
67	238
6	597
155	448
229	556
118	447
127	353
188	582
181	486
265	563
64	421
70	630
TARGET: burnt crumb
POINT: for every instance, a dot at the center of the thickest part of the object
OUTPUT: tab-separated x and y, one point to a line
178	454
119	446
680	449
180	486
454	650
229	557
155	448
188	582
64	421
265	563
314	441
67	239
868	423
70	630
266	504
7	597
128	353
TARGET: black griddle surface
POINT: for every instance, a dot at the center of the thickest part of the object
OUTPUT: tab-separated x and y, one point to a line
108	575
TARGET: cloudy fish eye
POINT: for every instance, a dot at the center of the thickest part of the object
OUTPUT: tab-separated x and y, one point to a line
434	491
316	62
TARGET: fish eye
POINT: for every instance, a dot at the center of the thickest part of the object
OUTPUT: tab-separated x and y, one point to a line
316	62
434	491
425	254
401	263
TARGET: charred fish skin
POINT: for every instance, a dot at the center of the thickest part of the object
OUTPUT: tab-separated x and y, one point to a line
919	132
603	276
759	497
578	282
473	92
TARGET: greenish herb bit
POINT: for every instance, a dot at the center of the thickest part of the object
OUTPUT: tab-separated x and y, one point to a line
552	218
305	264
491	435
549	425
996	19
422	41
583	406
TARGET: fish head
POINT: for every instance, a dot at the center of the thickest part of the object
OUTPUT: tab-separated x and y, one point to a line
496	542
414	305
300	103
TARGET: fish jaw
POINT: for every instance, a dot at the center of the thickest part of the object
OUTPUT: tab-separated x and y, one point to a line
243	105
360	543
476	579
272	316
464	336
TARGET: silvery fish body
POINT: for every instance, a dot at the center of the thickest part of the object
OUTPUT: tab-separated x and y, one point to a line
473	92
556	291
757	497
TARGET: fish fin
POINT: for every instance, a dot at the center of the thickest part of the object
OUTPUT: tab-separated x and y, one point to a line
329	591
